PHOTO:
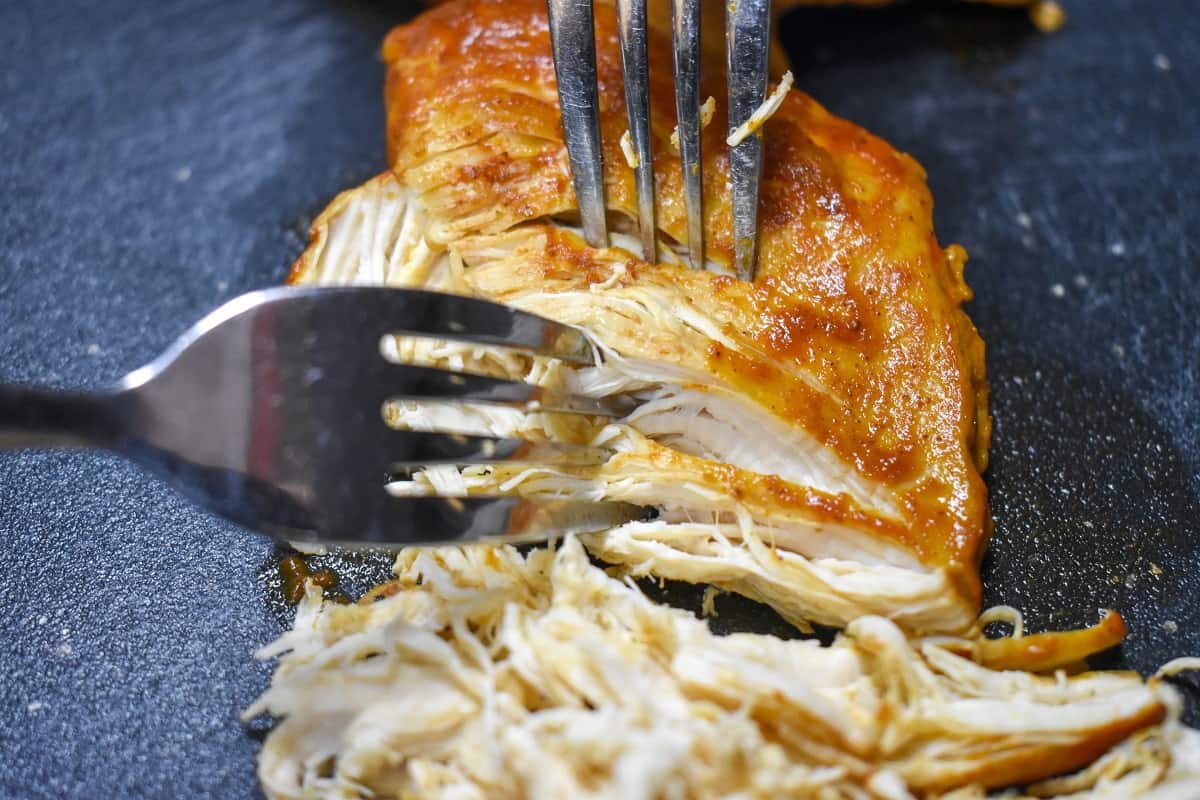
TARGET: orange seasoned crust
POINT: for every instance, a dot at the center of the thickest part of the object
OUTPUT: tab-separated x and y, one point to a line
1045	651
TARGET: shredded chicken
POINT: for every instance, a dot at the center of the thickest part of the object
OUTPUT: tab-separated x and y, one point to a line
482	673
763	113
627	150
707	109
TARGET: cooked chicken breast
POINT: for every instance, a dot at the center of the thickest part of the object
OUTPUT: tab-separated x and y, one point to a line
814	439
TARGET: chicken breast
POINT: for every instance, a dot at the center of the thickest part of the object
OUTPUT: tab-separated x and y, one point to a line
814	439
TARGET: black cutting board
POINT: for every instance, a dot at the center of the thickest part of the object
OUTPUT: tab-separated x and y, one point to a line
158	158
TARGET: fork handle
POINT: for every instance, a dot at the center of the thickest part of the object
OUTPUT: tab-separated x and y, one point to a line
35	417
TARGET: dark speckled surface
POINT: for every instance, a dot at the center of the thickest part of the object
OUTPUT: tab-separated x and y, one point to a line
159	158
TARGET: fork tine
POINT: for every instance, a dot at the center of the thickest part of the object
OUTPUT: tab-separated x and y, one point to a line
455	317
358	315
572	37
412	382
407	450
631	15
685	38
748	31
403	521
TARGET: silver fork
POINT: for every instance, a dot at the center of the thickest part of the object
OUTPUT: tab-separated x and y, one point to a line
747	36
269	412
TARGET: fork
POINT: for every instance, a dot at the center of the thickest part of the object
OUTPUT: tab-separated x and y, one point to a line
747	38
269	411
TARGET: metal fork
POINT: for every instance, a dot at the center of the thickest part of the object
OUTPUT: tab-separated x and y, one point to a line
747	36
269	412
